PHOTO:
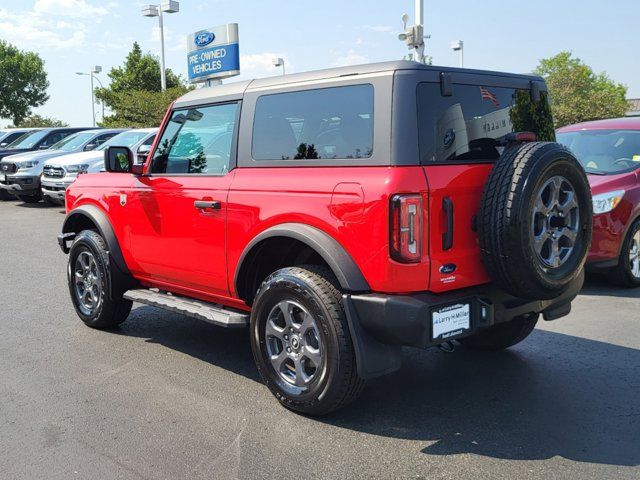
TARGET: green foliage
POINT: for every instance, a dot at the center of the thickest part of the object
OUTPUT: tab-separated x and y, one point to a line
139	108
37	121
23	82
134	95
529	116
579	94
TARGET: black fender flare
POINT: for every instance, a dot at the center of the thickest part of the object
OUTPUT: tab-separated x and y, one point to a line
343	266
96	216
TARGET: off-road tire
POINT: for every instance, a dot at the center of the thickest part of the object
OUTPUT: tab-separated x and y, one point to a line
317	290
621	274
502	335
505	226
112	309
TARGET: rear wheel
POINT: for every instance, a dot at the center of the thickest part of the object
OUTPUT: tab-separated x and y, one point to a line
98	302
301	342
627	273
503	335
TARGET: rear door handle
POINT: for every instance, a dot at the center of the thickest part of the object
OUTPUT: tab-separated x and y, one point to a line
447	236
205	204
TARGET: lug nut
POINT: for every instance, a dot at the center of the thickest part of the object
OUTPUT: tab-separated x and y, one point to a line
288	349
286	337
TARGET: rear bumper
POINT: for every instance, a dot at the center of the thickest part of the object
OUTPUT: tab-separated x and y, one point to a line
380	324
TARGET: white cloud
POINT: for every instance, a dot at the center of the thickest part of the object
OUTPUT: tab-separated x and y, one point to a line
68	8
258	65
28	30
349	58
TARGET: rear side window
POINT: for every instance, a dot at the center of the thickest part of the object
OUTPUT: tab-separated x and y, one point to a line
326	123
465	126
197	141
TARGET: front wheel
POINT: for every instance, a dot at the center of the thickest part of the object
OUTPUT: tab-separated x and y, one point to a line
96	301
503	335
627	272
301	341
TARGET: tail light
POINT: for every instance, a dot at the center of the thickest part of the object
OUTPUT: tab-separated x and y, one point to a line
405	229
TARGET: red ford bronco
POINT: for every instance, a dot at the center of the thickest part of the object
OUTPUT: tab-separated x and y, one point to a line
340	215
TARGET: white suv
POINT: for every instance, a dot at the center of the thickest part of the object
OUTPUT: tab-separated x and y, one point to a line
60	172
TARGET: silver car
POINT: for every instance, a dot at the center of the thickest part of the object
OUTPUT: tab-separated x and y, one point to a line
60	172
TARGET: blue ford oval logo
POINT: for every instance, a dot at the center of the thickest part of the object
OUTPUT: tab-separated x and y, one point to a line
448	268
204	38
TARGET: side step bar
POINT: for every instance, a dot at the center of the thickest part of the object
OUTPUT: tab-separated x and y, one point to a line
209	312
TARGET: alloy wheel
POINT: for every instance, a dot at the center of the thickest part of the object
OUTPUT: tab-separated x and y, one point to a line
555	222
87	283
294	346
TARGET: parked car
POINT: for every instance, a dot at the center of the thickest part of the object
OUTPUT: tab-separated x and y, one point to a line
60	172
21	173
37	139
340	215
9	135
609	150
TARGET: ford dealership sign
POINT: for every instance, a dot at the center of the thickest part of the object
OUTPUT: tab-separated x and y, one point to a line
213	53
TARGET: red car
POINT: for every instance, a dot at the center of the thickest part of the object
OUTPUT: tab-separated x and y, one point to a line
340	215
609	150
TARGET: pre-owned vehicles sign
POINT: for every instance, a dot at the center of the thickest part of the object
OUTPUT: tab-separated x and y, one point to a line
213	53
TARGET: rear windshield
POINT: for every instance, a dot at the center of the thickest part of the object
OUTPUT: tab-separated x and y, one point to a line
326	123
604	152
466	125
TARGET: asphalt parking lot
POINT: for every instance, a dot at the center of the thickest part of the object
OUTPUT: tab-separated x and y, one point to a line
171	397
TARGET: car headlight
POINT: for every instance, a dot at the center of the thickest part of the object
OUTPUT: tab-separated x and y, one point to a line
78	168
605	202
29	164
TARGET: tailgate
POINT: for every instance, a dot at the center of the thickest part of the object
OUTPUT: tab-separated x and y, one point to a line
454	200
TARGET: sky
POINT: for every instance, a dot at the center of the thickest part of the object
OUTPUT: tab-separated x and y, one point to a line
503	35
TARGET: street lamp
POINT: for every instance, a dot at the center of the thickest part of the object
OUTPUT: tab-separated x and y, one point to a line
167	6
458	46
97	69
279	62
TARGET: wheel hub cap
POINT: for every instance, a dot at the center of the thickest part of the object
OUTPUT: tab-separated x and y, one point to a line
555	222
634	255
87	283
293	344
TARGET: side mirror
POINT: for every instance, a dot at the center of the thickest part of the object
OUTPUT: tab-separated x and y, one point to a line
43	147
90	146
118	159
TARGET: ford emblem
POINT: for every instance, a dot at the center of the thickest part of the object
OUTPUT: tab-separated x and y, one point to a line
449	138
448	268
203	39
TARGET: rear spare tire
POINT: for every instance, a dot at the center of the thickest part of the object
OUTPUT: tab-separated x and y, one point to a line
535	220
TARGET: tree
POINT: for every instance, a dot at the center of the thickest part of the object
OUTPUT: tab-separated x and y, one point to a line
134	94
579	94
37	121
23	82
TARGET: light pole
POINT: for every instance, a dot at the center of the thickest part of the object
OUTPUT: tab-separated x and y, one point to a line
413	36
279	62
458	46
97	69
167	6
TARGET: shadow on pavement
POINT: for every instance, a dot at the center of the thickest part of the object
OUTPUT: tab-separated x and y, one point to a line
597	285
554	395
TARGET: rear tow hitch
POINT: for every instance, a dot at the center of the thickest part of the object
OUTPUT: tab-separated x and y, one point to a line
447	347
